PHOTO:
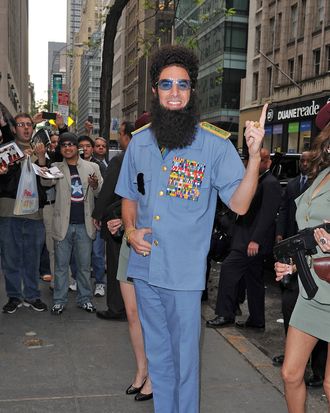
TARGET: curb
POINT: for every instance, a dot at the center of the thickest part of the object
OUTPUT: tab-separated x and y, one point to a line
249	351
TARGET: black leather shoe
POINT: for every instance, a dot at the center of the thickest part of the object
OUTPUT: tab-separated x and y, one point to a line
134	390
219	321
108	315
314	381
141	397
248	324
278	360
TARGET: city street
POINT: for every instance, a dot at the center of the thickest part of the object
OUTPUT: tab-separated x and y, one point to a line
78	363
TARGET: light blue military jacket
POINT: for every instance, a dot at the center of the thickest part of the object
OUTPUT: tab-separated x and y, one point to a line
176	197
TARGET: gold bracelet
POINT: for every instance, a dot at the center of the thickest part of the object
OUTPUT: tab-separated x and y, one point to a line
128	233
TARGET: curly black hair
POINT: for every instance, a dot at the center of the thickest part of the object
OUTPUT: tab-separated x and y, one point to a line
169	55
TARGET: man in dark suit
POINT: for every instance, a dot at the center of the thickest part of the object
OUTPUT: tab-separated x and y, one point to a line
108	205
287	227
252	240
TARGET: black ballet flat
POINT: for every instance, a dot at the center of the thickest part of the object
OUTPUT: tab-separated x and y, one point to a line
141	397
134	390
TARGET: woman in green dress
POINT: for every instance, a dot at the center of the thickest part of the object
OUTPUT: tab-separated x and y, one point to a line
310	320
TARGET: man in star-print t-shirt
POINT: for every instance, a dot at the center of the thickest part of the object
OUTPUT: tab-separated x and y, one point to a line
73	229
77	197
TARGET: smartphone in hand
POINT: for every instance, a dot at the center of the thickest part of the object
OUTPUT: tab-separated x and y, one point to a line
48	115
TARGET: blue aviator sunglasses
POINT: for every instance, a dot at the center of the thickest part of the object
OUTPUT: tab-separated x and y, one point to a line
167	84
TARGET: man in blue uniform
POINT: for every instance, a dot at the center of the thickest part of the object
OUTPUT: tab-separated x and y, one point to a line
172	173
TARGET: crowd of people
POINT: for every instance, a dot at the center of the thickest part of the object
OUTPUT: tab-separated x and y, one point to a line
142	217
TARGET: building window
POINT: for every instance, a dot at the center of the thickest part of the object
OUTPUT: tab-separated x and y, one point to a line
269	81
278	30
255	86
271	32
257	40
328	58
277	138
316	61
294	21
299	67
291	68
305	136
319	12
293	134
302	18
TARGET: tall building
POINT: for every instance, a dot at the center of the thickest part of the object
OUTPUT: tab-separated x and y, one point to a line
57	53
14	80
288	66
130	74
89	89
145	30
72	27
221	42
91	20
117	96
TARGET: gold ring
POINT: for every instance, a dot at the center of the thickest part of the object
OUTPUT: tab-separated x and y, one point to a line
144	254
257	124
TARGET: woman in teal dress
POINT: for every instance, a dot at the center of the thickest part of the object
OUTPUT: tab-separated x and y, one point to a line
310	319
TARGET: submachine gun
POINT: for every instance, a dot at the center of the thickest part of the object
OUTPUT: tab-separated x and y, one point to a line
296	248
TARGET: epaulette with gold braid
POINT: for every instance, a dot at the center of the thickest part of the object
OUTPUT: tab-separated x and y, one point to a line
141	129
215	130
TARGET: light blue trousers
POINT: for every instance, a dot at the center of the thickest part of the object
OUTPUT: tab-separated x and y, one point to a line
171	324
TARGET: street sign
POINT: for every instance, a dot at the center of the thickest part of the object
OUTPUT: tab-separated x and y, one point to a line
63	98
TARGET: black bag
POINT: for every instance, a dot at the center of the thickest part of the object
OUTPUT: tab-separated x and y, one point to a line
222	232
220	245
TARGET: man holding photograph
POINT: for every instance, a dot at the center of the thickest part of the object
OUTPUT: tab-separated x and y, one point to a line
22	236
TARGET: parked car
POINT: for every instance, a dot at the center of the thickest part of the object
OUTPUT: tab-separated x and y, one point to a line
285	166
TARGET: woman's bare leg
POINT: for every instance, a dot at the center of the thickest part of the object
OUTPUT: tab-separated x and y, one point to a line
326	381
298	348
135	331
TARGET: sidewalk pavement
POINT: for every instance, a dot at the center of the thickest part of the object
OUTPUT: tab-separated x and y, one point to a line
259	347
78	363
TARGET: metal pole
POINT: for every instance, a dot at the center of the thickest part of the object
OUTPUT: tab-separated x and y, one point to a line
283	73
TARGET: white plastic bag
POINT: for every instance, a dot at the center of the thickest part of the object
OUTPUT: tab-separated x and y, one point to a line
27	199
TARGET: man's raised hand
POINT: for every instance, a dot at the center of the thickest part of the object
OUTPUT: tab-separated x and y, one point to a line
254	133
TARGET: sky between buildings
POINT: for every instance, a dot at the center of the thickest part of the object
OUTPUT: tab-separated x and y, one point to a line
47	23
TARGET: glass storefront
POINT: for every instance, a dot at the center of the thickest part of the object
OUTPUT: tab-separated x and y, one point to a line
293	136
277	138
305	136
298	137
291	128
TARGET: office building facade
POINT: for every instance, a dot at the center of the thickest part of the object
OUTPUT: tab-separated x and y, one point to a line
72	27
14	79
289	67
221	43
89	89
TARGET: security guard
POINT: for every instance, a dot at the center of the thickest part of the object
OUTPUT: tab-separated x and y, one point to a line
172	173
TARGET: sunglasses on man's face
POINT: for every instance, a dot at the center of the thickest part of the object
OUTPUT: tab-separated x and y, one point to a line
67	144
167	84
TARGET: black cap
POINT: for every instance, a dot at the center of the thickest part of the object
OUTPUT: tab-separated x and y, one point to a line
68	137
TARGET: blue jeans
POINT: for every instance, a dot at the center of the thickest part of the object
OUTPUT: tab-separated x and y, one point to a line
21	242
98	258
77	242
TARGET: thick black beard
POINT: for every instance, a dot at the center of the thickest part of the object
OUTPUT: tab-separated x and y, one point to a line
174	128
